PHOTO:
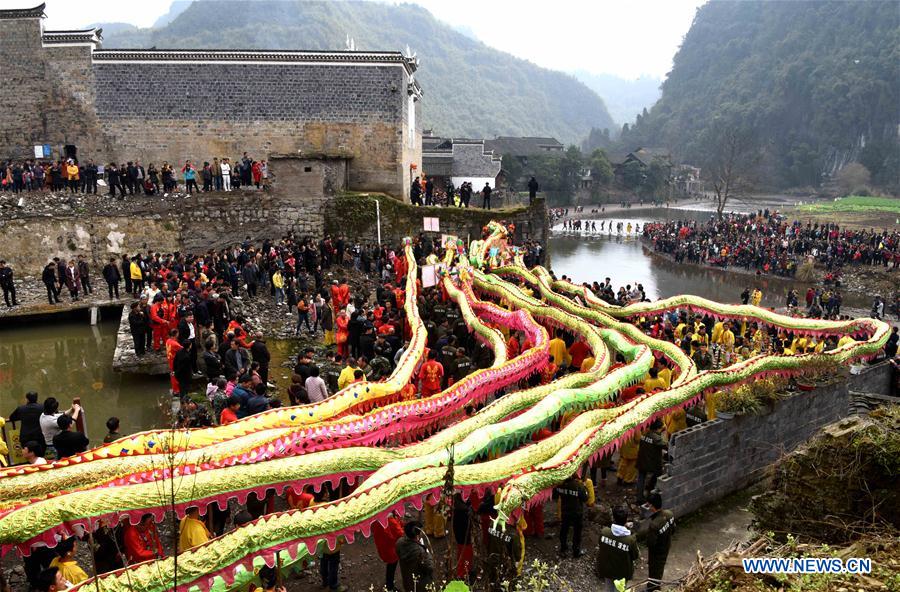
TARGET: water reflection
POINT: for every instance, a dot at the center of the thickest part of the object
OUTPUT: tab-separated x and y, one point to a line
624	259
71	359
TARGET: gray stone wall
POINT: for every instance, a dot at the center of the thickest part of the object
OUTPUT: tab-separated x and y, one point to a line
719	457
156	111
248	92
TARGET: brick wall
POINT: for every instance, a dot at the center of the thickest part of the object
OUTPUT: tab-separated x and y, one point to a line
156	111
719	457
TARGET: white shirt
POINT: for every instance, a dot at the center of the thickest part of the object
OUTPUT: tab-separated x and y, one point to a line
316	389
226	169
49	427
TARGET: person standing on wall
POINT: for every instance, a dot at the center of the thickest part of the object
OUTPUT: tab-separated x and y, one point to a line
112	276
216	170
48	276
226	175
90	177
486	196
533	188
84	273
72	175
7	284
73	279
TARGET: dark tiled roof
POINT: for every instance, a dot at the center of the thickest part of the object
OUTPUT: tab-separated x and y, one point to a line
18	13
524	146
253	55
76	36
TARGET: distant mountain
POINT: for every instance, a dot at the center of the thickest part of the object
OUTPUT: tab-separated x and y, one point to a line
177	7
815	84
470	89
624	98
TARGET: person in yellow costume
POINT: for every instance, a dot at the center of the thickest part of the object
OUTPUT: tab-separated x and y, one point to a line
675	421
4	451
435	522
717	331
726	337
628	453
756	297
65	562
845	340
559	351
711	399
699	338
679	330
653	382
346	375
192	531
587	364
665	374
521	526
799	344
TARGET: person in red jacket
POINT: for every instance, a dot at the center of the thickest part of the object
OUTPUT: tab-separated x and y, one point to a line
431	374
578	351
172	348
142	541
386	538
158	322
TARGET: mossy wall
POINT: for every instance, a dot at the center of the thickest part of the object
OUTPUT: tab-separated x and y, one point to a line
353	215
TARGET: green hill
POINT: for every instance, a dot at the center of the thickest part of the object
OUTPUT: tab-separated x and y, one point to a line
816	83
470	89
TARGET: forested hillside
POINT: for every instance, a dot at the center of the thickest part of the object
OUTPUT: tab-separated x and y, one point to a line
813	85
470	88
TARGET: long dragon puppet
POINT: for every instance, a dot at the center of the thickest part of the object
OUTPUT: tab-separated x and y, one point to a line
349	438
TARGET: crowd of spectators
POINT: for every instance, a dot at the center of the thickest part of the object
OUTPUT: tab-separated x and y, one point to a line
770	243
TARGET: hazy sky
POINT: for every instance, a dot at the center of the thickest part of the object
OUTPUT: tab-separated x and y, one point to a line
623	37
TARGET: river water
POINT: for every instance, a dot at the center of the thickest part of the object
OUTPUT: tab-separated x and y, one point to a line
588	257
69	358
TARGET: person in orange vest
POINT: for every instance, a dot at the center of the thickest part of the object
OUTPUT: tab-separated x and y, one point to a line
158	323
431	374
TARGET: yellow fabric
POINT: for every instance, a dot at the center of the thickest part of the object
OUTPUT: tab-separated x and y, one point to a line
727	339
820	347
135	271
652	384
435	523
628	453
587	363
345	377
559	352
329	337
592	498
756	297
717	331
70	570
679	330
277	280
711	405
665	375
675	421
193	533
845	340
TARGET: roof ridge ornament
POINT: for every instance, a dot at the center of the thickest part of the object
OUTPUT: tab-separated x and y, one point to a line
21	13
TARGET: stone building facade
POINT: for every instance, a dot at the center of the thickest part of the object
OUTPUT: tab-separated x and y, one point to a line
63	90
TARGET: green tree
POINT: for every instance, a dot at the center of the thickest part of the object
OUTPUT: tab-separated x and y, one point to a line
601	169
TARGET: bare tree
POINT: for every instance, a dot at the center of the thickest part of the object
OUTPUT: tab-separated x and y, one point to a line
732	159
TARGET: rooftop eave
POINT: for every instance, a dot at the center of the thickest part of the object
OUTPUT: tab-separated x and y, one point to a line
93	37
22	13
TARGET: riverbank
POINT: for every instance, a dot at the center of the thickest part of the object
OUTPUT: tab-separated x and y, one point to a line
863	280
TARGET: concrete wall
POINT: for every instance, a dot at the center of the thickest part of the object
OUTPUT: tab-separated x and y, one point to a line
719	457
354	217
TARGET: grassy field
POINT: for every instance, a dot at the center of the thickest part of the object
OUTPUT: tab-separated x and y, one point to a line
855	204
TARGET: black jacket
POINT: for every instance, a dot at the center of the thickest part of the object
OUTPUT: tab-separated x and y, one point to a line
30	416
616	557
48	276
650	453
111	273
572	495
260	352
6	277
